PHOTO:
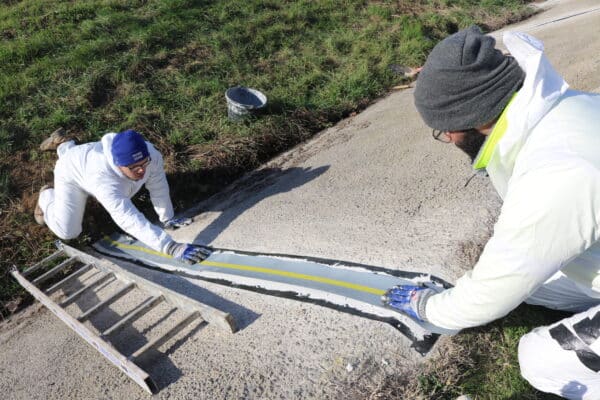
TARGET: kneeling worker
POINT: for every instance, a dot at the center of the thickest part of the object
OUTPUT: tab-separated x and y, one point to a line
539	141
112	170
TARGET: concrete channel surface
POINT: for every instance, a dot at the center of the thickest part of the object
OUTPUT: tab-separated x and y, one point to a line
374	189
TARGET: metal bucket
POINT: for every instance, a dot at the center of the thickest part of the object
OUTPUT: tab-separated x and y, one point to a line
242	101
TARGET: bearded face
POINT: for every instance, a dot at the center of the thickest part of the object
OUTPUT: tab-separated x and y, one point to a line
471	142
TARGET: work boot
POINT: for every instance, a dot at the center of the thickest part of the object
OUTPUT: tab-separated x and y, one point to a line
55	139
38	214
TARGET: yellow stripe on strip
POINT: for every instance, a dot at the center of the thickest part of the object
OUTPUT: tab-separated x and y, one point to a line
287	274
295	275
136	248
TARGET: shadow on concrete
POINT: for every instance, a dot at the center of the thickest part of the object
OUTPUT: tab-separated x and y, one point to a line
159	366
248	192
130	338
242	315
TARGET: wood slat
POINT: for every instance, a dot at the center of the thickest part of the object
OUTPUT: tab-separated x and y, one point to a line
68	279
42	263
134	314
49	274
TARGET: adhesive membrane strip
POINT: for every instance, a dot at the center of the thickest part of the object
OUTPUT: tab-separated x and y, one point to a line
344	286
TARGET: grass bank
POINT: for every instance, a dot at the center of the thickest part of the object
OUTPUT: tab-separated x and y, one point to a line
162	66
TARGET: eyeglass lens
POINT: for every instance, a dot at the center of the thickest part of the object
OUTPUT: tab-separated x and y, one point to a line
440	136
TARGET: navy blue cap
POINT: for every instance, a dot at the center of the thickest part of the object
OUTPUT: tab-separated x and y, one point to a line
128	147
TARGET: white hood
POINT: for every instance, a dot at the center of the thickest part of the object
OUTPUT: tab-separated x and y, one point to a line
106	150
542	87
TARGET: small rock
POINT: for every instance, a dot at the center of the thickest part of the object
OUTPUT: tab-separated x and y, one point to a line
404	71
349	367
13	305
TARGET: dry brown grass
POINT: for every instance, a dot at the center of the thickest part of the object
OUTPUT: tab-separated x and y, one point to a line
438	378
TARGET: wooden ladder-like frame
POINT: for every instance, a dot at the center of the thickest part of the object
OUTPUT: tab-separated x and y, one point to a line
107	270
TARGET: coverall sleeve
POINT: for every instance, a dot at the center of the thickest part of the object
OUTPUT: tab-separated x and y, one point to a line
158	187
130	219
549	217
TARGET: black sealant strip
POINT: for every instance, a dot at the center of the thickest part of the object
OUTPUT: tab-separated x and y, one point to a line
421	346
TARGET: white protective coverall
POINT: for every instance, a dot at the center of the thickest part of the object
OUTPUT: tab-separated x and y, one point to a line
88	169
543	158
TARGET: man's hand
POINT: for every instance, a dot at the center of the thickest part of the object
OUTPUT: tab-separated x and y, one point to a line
176	223
189	253
408	299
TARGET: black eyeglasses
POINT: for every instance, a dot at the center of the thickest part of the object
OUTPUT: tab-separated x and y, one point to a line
440	136
141	166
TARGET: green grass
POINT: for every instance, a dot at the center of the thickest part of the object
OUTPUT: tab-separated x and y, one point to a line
162	66
494	350
481	362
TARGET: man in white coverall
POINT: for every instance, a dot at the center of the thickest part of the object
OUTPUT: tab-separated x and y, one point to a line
539	141
112	170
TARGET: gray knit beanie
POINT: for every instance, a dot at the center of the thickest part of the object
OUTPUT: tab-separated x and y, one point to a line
466	82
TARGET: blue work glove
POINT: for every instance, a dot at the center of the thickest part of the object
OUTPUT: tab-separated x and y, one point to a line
409	300
189	253
176	223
